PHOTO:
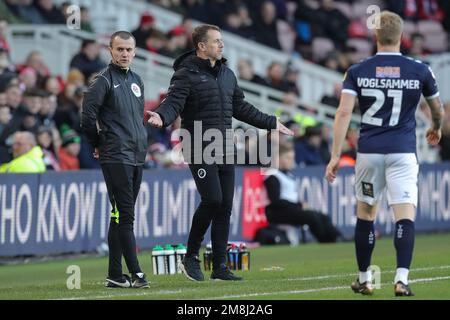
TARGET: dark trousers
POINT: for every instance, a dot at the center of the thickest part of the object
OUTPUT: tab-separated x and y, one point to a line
123	183
215	183
319	224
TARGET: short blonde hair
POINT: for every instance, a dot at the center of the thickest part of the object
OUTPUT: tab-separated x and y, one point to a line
390	28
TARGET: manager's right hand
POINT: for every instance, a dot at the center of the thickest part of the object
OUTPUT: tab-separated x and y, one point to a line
155	119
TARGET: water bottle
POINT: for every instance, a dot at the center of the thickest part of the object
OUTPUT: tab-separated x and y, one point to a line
158	260
233	254
244	258
170	259
207	258
180	253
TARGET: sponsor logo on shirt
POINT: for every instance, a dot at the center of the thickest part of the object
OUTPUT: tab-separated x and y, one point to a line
388	72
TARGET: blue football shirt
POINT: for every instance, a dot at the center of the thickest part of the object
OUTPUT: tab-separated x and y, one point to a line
388	86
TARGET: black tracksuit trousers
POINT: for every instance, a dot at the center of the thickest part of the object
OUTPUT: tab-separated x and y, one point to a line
215	183
123	183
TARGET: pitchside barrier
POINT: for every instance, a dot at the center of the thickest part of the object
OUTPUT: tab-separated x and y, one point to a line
69	212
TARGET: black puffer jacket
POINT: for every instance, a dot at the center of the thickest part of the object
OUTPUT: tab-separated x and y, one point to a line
115	100
199	92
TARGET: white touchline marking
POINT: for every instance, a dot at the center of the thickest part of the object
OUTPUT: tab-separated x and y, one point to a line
314	290
168	292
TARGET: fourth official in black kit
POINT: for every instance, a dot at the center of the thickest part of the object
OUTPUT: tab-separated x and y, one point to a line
112	118
204	90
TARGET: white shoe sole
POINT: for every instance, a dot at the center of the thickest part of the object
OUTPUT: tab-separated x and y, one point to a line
125	284
183	271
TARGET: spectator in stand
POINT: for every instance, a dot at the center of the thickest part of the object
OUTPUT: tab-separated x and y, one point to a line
28	12
44	138
195	10
444	143
27	156
328	20
69	106
266	27
6	69
8	11
156	42
52	85
308	148
69	150
88	59
35	61
232	22
4	44
246	28
48	108
246	72
417	49
331	62
445	7
173	5
50	13
5	115
85	19
333	100
346	58
28	79
275	77
3	98
291	76
177	44
13	96
416	9
144	30
76	78
25	116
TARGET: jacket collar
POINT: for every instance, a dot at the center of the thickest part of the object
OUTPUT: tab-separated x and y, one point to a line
190	59
119	69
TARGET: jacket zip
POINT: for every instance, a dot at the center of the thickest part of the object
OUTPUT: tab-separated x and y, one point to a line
134	125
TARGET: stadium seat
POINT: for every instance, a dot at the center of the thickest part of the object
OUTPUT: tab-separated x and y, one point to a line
436	42
321	47
426	27
359	10
435	36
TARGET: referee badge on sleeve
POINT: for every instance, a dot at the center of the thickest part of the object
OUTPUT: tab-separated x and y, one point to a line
367	189
136	90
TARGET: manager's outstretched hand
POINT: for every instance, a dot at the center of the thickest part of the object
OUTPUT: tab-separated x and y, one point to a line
155	119
283	129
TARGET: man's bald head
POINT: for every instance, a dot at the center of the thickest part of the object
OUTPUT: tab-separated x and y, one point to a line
23	142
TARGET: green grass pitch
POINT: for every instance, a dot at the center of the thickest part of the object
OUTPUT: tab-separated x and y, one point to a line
312	271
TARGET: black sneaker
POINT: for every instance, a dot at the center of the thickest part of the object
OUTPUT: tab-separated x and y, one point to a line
223	273
138	280
124	282
402	290
190	267
364	288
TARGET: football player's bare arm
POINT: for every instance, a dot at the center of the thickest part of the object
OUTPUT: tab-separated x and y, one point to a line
341	123
437	113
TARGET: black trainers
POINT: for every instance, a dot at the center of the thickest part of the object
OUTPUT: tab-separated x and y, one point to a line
402	290
190	267
223	273
138	280
364	288
124	282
